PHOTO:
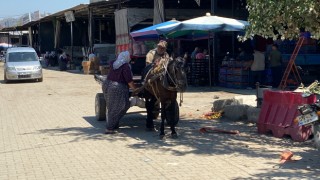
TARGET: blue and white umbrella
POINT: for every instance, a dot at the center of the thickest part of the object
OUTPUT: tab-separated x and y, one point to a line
150	32
202	26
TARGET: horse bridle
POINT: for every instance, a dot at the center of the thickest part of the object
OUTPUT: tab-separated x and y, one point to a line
166	72
165	66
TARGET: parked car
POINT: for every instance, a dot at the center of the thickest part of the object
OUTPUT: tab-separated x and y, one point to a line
22	63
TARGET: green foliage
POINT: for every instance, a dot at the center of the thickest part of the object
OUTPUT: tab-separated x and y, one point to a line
285	17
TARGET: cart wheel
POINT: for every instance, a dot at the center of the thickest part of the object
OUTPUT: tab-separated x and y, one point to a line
100	107
176	116
156	111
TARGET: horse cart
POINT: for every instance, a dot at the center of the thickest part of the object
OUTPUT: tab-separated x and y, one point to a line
162	81
100	103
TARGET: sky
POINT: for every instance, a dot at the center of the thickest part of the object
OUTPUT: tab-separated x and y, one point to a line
16	8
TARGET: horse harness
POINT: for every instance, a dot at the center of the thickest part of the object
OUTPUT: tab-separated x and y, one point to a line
161	71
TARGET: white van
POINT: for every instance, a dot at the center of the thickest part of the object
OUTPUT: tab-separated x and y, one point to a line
22	63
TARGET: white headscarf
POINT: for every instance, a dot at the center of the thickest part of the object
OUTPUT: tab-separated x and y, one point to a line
123	57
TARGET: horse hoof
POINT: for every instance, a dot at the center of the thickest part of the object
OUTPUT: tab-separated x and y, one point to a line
161	136
174	136
150	129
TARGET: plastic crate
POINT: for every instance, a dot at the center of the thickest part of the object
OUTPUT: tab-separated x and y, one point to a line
235	85
240	71
229	71
313	59
223	84
223	70
236	78
223	78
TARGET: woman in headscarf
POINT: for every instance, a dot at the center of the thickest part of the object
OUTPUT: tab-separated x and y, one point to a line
116	91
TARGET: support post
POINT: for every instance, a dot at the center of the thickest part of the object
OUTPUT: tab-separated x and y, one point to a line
71	45
100	33
213	62
39	38
90	28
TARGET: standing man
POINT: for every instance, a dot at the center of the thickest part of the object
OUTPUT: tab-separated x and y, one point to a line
194	53
257	68
275	59
153	57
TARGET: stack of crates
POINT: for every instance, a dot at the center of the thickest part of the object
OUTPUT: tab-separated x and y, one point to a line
268	77
237	78
199	73
223	76
189	75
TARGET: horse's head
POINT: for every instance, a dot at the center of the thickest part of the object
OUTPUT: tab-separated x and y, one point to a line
177	74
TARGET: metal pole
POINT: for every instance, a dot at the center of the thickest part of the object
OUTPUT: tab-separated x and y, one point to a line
8	38
233	35
100	33
213	10
90	28
39	38
71	44
209	59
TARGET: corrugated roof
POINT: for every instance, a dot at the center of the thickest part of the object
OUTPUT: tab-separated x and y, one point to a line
78	11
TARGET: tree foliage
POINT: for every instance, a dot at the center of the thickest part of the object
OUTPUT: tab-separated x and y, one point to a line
274	18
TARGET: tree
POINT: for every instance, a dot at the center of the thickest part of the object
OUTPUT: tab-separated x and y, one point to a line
283	18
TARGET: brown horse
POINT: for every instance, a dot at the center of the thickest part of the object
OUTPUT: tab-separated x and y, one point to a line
162	82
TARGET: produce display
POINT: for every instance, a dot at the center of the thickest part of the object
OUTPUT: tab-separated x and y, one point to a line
213	115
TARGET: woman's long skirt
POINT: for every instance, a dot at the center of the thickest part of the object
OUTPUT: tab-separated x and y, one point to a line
117	101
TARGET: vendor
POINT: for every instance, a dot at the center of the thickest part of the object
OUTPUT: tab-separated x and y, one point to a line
275	59
63	61
257	68
194	53
202	54
94	62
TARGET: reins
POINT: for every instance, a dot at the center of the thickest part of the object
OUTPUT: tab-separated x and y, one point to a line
171	77
175	84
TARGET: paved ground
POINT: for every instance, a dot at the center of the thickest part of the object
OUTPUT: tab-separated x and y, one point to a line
48	131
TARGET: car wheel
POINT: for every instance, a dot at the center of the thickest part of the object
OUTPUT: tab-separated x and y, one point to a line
100	107
40	79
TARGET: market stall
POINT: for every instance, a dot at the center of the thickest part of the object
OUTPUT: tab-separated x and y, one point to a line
203	28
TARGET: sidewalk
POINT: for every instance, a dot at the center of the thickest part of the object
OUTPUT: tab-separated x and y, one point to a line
48	131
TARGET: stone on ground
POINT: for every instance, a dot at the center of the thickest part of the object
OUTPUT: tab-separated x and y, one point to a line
247	99
219	105
236	112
